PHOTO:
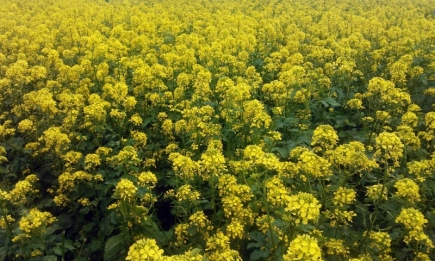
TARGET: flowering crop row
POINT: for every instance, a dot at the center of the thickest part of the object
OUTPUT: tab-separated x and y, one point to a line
217	130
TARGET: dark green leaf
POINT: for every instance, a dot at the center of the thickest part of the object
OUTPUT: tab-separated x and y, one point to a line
114	245
49	258
259	255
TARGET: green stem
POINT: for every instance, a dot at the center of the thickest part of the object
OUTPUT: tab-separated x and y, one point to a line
81	248
8	227
269	221
376	208
63	245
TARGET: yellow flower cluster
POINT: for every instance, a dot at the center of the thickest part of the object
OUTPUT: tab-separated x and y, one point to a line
312	166
126	190
304	206
212	160
145	250
128	155
325	136
22	189
187	193
377	192
351	157
344	196
219	249
183	166
389	147
414	221
35	222
380	242
303	247
336	247
277	194
407	189
200	220
147	179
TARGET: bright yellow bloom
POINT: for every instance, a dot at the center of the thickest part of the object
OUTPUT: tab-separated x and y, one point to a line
126	190
186	193
145	250
336	247
303	247
377	192
304	206
412	219
147	179
407	189
389	146
344	196
36	221
325	136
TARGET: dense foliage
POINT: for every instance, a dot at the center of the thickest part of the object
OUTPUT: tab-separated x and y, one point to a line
217	130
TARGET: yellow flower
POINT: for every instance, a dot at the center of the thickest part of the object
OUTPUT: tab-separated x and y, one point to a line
183	166
410	119
344	196
313	166
167	127
22	189
219	241
186	193
126	190
304	206
429	119
412	219
181	234
145	250
389	146
9	218
128	155
277	194
355	104
422	257
54	139
36	221
325	136
147	179
136	120
129	103
3	154
26	125
303	247
140	137
235	229
351	156
255	115
380	241
408	190
84	202
336	247
199	219
377	192
92	160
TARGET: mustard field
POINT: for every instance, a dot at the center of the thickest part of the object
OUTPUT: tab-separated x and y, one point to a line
217	130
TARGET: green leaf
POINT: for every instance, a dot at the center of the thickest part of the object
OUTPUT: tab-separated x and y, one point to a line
49	258
114	245
57	249
195	251
282	152
259	255
68	244
258	237
331	102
